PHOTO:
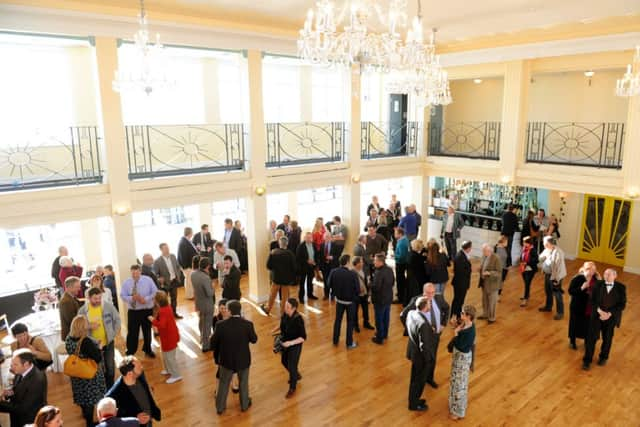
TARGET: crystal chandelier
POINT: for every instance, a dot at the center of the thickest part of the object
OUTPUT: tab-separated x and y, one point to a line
629	84
147	73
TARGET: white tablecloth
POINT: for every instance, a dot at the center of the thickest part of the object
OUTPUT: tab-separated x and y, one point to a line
46	325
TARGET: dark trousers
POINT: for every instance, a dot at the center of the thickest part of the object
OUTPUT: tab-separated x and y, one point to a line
459	294
509	246
401	283
450	243
137	319
290	358
552	292
597	327
326	270
419	373
108	356
340	311
87	414
382	320
527	277
363	302
172	291
306	279
223	388
432	364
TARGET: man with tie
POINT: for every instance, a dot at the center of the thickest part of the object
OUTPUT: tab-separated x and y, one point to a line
138	292
168	270
461	278
29	392
421	350
232	236
186	252
328	261
608	300
203	241
440	308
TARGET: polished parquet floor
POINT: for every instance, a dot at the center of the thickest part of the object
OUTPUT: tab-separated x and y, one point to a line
525	374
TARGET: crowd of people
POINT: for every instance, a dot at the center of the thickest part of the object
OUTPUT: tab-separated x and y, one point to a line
388	265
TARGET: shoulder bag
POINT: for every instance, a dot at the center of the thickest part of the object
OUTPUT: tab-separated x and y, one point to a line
78	367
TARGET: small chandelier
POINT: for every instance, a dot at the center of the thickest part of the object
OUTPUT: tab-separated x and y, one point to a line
629	84
147	74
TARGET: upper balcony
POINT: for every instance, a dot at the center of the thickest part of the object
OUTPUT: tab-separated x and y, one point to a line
471	140
290	144
383	140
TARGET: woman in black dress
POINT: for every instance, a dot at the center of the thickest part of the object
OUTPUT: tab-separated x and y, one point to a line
580	308
293	334
416	269
437	267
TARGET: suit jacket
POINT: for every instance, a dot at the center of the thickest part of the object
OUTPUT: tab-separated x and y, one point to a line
461	271
457	224
119	422
230	342
344	284
68	308
29	395
203	291
509	223
231	284
334	251
442	303
382	286
358	250
282	263
55	271
161	269
620	297
186	252
148	271
302	255
294	239
491	283
127	404
208	241
235	240
421	346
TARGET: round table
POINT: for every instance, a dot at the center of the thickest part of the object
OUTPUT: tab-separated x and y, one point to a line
46	325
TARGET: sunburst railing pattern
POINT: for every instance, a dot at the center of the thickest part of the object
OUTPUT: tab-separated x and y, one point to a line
576	144
473	140
379	140
302	143
170	150
50	158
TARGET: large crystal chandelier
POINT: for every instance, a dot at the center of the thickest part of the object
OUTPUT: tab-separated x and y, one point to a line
629	84
147	73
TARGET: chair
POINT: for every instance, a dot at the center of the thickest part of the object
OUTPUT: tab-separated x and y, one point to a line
3	319
59	352
7	339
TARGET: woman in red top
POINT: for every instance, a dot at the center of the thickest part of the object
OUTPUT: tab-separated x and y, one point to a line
318	233
68	269
580	308
528	266
165	323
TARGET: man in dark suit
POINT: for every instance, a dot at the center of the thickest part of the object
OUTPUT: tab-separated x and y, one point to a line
329	256
107	410
55	267
282	263
169	275
441	309
203	241
29	392
186	252
147	268
382	296
230	280
509	227
608	300
421	350
231	339
232	238
307	259
285	225
132	393
345	287
461	278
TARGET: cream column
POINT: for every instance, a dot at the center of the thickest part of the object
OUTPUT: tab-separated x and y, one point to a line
115	155
631	187
257	222
422	199
211	91
515	106
351	188
306	93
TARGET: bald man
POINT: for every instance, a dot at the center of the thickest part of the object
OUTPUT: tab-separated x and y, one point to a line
490	278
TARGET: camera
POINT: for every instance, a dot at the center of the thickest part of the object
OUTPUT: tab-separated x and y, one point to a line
277	344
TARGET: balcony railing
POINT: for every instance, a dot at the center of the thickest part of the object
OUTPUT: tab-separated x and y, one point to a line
472	140
157	151
44	159
576	144
378	140
291	144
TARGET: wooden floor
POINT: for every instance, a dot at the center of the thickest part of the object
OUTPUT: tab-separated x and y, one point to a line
525	374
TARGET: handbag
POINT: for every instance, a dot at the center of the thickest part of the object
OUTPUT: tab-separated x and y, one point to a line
78	367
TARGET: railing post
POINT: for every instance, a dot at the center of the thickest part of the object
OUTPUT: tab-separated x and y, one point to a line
73	154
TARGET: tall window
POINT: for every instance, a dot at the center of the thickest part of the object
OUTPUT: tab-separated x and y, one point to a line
329	94
281	89
277	206
401	187
164	225
235	209
323	202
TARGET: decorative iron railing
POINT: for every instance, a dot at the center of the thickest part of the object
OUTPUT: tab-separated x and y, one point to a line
169	150
70	156
473	140
379	140
576	144
291	144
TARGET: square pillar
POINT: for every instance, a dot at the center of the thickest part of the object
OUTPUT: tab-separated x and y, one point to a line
351	213
422	197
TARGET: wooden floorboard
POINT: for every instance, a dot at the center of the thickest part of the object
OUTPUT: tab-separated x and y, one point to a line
525	374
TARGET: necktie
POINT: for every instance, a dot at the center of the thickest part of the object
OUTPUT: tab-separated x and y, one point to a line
434	324
326	250
134	291
17	379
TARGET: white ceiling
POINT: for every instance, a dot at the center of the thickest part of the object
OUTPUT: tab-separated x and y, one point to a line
456	19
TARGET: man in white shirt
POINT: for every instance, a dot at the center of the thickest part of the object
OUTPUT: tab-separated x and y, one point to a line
555	270
218	258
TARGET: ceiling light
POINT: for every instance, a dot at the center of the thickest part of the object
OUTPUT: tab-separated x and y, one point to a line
589	73
629	84
477	81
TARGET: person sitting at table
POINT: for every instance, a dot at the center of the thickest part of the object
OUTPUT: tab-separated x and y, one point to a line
97	281
36	345
69	305
67	269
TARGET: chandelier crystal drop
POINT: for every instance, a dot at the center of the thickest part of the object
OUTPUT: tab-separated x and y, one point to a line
147	72
413	64
629	84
